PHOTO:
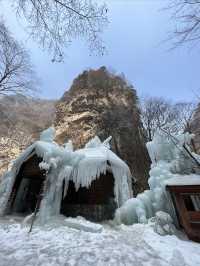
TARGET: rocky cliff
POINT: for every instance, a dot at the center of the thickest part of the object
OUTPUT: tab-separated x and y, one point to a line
103	104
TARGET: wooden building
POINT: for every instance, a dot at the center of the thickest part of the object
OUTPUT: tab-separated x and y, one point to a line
185	194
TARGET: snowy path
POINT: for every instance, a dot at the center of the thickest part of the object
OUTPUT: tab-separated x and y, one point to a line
135	245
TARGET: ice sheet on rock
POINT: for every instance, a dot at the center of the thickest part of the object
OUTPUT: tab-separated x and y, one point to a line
169	162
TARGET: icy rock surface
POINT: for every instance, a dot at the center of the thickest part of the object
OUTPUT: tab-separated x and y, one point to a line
170	161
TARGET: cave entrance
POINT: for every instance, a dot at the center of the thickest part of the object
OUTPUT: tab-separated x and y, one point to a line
95	203
27	187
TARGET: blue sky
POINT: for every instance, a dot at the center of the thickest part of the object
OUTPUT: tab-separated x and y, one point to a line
135	46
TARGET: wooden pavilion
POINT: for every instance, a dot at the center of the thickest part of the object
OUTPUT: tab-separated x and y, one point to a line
185	194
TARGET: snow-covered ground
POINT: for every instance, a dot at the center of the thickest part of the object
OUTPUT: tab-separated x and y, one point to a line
57	244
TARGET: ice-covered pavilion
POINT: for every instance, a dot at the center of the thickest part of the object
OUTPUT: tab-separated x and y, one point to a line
90	182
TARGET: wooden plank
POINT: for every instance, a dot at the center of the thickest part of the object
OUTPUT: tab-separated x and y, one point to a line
184	189
185	219
194	216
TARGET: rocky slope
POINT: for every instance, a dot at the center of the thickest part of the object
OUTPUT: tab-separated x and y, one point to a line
22	118
29	114
99	103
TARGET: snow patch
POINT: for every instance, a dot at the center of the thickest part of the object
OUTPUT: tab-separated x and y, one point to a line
60	245
182	180
163	224
83	225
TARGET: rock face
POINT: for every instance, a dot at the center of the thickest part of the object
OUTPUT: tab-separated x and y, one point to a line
27	114
22	119
195	128
103	104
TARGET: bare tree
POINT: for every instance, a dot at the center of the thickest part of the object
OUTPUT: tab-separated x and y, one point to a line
158	113
185	112
186	14
55	23
16	73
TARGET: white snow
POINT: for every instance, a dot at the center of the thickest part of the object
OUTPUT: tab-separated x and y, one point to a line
81	224
163	224
48	135
184	180
59	245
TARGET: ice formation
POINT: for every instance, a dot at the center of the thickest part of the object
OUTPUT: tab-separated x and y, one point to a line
163	224
61	163
170	161
81	224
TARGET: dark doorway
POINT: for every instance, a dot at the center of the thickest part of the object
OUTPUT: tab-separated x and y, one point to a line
95	204
27	187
